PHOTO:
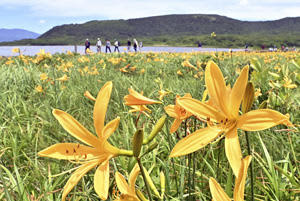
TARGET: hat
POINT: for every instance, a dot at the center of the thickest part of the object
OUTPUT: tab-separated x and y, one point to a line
87	39
98	38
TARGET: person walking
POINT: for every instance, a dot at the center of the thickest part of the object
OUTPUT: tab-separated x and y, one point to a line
99	44
246	47
135	44
128	45
140	45
116	44
87	45
199	44
107	46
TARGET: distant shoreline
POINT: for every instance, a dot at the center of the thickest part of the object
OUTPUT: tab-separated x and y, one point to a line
33	50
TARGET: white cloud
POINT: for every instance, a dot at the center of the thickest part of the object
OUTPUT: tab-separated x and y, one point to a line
42	21
243	2
125	9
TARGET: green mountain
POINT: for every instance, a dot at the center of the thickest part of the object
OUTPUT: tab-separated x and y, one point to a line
178	30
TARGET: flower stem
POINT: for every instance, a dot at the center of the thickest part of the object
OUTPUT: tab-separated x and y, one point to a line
219	153
251	167
137	120
189	175
144	177
124	152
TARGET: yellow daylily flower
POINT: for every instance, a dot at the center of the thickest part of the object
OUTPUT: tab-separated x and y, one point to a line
222	114
39	88
257	92
97	151
63	78
288	83
128	189
135	98
217	192
186	63
179	73
16	50
43	76
177	112
125	68
142	71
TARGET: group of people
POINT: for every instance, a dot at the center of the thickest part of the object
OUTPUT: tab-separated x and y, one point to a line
117	44
274	48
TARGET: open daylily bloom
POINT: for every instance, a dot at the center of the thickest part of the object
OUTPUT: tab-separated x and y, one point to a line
98	152
135	98
178	113
217	192
128	189
222	115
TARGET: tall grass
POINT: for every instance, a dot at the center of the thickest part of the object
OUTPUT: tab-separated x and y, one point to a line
28	126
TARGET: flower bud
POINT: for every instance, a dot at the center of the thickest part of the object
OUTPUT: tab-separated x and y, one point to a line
151	184
137	142
141	195
248	98
157	128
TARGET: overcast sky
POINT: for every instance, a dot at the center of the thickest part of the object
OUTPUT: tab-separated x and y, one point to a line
41	15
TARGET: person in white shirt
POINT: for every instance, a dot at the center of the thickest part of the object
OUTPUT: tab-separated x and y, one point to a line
99	44
116	44
141	45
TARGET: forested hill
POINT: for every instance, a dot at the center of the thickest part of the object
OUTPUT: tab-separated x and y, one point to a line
172	25
178	30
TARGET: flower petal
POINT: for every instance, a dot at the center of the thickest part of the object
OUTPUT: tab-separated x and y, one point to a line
195	141
69	151
110	128
239	187
73	127
233	150
216	86
76	176
133	175
122	184
257	120
101	180
170	110
238	91
217	192
100	107
89	96
127	197
175	125
135	98
200	109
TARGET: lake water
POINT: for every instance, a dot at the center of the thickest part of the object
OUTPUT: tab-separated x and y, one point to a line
32	50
